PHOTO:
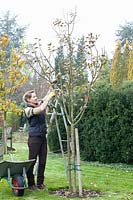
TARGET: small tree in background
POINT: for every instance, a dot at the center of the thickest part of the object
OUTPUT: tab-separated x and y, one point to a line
125	32
116	66
125	61
10	27
65	78
122	65
130	65
11	78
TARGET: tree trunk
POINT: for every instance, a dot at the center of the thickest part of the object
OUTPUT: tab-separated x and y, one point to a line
78	162
5	133
69	159
73	159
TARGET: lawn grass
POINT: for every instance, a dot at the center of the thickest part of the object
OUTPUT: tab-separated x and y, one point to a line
114	181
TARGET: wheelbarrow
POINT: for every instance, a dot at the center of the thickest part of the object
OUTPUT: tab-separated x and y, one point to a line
15	174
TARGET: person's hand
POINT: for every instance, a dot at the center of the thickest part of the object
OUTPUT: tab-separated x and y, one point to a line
51	94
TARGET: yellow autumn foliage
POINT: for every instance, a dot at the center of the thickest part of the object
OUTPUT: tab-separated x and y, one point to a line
130	65
11	76
21	62
4	40
114	72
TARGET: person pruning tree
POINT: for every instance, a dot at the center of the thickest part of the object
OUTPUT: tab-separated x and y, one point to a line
37	142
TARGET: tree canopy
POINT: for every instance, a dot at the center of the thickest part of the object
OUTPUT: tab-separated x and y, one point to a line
9	26
125	32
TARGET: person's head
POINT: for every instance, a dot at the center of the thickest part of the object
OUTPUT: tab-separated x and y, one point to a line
30	97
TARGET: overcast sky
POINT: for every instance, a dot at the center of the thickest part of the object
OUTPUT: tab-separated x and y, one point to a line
97	16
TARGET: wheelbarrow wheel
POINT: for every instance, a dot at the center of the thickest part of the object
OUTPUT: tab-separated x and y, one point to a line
18	181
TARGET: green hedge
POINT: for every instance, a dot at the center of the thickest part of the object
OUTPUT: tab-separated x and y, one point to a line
106	129
53	139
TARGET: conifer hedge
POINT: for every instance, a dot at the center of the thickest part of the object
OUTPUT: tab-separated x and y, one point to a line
106	129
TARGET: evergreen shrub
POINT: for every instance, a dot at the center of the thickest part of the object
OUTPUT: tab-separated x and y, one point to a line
106	129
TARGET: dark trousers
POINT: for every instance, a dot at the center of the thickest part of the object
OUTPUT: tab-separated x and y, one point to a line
37	148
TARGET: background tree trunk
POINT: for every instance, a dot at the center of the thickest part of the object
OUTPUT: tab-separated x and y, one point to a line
5	133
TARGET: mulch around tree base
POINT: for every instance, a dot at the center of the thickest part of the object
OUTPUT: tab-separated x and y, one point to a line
65	193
